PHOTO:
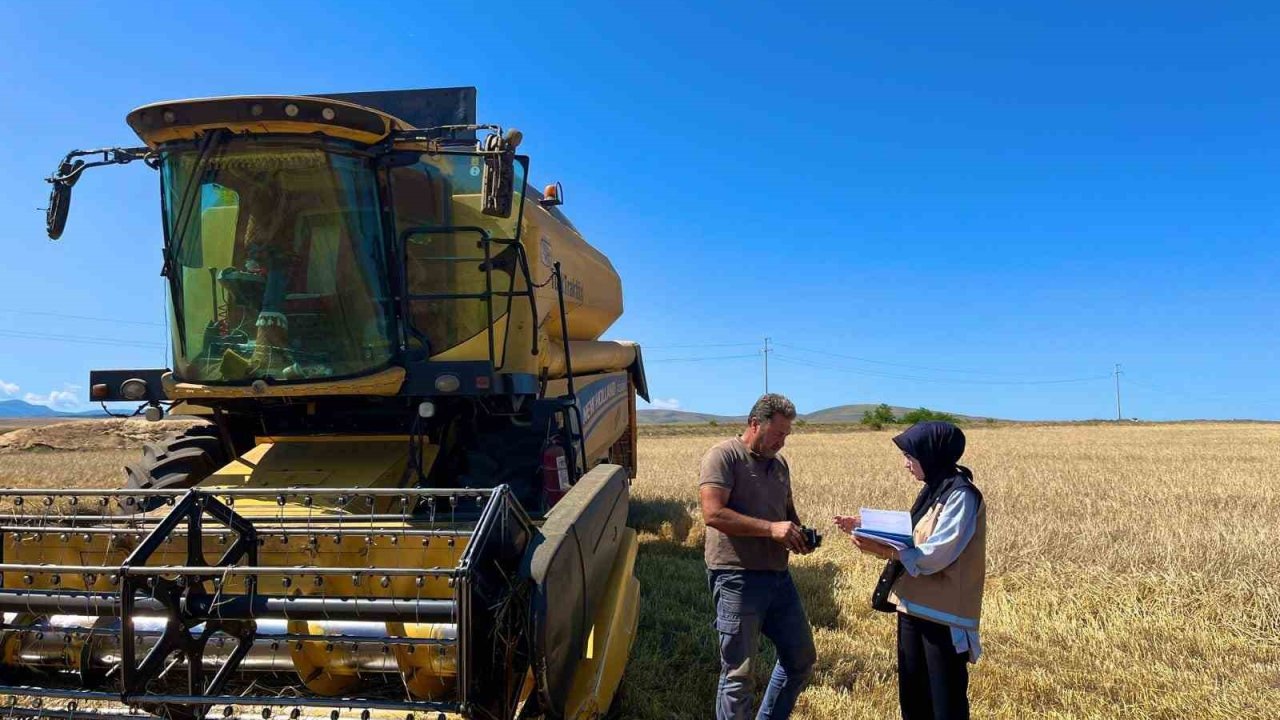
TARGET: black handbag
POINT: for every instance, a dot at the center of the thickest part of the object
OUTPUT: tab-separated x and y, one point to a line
880	596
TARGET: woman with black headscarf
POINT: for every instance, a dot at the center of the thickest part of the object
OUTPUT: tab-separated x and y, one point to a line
935	587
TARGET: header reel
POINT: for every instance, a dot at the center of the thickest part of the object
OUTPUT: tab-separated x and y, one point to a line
316	594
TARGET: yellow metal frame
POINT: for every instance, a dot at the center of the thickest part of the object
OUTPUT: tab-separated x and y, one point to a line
190	131
383	383
613	631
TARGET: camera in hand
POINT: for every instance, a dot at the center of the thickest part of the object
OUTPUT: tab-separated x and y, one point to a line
812	537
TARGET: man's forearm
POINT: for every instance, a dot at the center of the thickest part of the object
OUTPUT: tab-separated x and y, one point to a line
731	522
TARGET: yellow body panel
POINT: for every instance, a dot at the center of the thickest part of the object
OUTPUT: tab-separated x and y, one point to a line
606	403
593	290
612	633
589	356
319	462
477	348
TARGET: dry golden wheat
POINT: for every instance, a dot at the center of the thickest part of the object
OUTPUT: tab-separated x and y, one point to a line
1132	571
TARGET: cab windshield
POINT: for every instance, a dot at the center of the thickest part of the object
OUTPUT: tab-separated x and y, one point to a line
275	256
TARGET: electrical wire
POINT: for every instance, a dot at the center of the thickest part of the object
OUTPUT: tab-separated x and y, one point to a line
81	317
1130	383
889	363
993	378
701	345
700	359
959	381
77	339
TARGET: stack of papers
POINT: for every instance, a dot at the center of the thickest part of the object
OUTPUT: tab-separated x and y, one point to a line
887	527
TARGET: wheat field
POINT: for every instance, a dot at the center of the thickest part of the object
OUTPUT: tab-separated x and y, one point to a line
1133	570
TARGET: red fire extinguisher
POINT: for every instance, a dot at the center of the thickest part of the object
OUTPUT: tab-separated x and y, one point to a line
555	474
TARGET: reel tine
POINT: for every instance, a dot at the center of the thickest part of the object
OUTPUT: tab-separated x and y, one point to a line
309	502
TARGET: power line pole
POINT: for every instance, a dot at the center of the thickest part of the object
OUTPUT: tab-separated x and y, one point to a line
1118	415
767	350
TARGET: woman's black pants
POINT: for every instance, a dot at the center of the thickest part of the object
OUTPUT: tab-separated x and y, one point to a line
933	679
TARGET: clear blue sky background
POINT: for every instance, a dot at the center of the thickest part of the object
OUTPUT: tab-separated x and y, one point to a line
976	198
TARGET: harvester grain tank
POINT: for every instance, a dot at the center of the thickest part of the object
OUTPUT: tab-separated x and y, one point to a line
411	490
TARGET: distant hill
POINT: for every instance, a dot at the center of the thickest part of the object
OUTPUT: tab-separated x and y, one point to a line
666	417
24	409
853	413
849	413
837	414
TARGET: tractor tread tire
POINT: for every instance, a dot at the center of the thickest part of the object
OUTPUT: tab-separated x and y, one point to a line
204	437
178	462
153	453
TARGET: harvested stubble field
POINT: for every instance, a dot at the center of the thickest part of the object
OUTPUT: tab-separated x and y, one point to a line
1132	569
1133	572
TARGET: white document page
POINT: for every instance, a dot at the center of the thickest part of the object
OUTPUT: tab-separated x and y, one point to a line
897	522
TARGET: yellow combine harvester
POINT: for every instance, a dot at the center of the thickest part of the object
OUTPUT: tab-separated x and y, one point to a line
411	495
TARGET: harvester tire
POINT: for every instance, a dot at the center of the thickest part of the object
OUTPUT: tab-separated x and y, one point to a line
178	462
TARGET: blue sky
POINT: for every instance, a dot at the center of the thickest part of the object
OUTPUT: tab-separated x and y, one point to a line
920	203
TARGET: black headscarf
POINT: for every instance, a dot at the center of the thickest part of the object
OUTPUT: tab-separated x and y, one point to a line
938	447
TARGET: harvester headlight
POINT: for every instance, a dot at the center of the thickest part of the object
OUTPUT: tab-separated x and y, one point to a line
447	383
133	389
328	114
291	110
426	409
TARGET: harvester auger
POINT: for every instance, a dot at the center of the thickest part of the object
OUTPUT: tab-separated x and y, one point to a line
409	495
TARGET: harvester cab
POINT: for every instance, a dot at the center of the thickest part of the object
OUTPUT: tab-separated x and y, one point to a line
409	492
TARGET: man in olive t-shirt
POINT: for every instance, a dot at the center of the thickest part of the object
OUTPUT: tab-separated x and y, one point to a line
752	527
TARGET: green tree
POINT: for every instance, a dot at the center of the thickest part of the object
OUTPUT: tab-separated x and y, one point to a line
878	417
924	414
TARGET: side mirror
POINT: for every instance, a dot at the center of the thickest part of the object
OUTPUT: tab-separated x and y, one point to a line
497	185
69	172
552	195
55	218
